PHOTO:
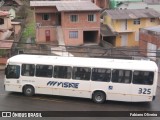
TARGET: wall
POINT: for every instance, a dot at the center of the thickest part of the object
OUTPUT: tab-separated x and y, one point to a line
132	29
40	34
146	37
7	24
80	26
39	11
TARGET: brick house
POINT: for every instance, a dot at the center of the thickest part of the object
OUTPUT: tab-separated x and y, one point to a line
74	22
100	3
149	41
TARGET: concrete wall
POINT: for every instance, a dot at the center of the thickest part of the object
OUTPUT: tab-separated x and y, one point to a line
147	37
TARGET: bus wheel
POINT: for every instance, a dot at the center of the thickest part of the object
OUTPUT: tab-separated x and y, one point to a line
28	90
99	97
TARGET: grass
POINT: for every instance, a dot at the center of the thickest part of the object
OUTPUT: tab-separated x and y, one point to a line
29	30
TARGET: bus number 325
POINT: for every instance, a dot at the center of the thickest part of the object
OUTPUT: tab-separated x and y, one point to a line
144	91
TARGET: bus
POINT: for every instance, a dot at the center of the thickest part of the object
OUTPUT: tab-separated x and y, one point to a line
98	79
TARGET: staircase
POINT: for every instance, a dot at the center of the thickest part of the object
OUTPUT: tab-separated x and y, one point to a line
61	49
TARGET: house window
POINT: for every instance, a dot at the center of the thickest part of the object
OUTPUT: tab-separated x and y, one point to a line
91	18
137	22
1	21
152	20
73	34
73	18
45	16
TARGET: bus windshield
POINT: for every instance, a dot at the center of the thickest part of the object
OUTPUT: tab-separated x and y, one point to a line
12	71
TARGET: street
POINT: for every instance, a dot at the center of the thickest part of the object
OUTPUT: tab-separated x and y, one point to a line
18	102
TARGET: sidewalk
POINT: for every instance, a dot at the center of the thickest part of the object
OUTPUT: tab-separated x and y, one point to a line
2	67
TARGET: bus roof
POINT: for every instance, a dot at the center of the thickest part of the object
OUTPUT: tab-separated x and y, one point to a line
85	62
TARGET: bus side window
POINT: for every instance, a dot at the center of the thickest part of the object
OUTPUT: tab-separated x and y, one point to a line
13	71
81	73
143	77
44	70
121	76
28	70
101	74
62	72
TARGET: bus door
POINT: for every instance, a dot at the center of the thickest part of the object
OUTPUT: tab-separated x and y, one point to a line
100	79
120	87
142	87
13	82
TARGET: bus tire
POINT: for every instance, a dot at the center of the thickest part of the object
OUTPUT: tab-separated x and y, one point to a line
28	90
99	97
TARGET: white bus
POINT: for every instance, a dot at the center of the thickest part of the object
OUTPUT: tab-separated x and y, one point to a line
99	79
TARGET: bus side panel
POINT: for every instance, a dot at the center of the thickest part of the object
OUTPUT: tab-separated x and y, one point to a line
119	92
13	85
46	86
77	88
99	86
142	93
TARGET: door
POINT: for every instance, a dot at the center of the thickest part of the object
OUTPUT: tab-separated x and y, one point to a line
124	40
47	34
120	87
123	25
12	82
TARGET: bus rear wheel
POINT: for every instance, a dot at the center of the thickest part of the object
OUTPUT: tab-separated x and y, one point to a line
99	97
28	90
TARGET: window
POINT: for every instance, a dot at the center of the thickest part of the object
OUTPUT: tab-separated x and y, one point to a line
100	74
28	69
44	70
74	18
143	77
152	20
81	73
1	21
62	72
136	21
91	18
73	34
45	16
13	71
121	76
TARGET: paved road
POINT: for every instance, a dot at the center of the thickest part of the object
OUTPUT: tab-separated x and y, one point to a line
19	102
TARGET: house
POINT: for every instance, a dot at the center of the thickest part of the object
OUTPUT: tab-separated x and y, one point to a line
5	25
149	41
74	22
139	5
10	10
5	32
152	1
125	25
115	3
103	4
13	3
